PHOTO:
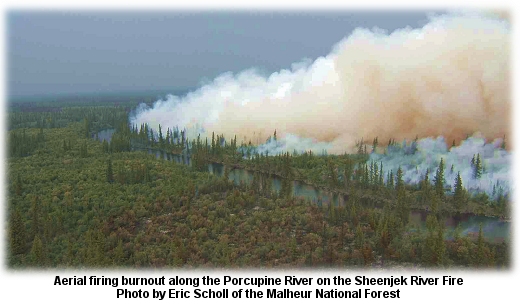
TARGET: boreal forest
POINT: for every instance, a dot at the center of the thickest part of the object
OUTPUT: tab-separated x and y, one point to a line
87	189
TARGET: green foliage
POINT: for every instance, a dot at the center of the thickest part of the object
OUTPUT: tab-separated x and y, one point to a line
459	194
85	203
17	233
439	180
477	167
22	143
37	252
110	171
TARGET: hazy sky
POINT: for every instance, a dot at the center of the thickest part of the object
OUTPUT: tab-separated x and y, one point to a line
75	52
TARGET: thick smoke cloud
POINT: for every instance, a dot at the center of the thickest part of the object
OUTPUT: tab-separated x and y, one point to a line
449	78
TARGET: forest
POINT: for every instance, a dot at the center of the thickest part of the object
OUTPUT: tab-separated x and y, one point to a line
74	200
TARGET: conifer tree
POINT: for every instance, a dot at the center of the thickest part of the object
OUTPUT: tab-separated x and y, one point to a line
435	203
37	254
365	176
402	203
161	139
17	233
86	124
36	216
459	193
213	145
349	168
374	145
375	177
83	150
390	180
431	244
457	232
371	174
119	254
426	181
399	180
70	253
95	254
439	180
360	147
440	247
168	137
110	171
381	178
18	185
480	259
477	169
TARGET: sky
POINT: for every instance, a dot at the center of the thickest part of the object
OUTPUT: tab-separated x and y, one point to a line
74	52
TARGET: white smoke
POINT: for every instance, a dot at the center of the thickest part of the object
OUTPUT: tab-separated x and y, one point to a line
449	78
415	160
292	144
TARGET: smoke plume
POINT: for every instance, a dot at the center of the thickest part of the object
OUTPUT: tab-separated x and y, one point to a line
417	158
449	78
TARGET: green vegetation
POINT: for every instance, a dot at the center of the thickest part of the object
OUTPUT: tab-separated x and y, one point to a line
77	202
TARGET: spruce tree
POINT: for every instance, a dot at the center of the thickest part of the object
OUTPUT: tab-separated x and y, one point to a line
390	180
439	180
375	181
430	244
37	254
399	183
402	203
86	128
119	254
371	172
360	147
426	181
374	145
440	247
381	181
366	178
36	216
481	258
110	171
477	169
161	139
435	203
458	194
18	185
349	168
17	233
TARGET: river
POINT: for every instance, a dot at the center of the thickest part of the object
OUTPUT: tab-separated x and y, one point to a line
494	229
